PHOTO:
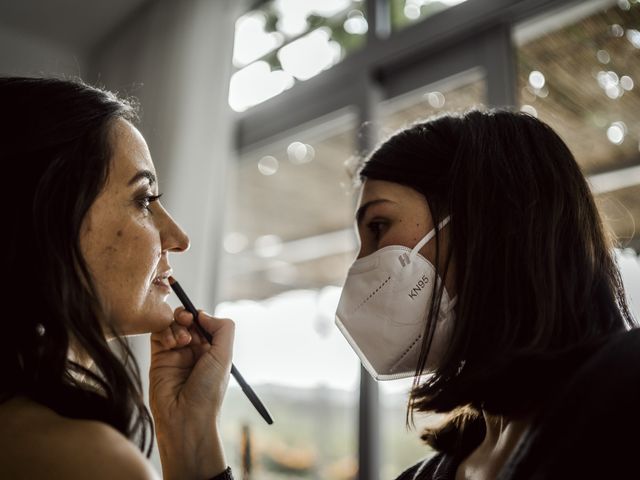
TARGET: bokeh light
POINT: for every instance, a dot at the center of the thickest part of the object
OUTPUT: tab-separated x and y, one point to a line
536	79
267	246
616	132
268	165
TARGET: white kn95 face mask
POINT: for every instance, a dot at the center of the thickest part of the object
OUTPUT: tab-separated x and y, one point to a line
383	309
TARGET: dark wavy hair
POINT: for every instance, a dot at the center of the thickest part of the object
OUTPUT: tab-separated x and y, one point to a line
538	287
56	152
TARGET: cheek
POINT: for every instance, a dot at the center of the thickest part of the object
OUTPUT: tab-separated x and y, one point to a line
129	266
417	227
123	261
407	232
134	254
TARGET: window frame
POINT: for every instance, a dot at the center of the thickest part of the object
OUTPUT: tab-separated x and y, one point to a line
477	34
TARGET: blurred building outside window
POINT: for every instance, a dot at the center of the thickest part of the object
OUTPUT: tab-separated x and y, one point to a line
580	75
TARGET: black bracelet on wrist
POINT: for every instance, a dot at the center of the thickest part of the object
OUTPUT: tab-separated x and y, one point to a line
226	475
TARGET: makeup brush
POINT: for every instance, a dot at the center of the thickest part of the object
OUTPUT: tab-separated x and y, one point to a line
246	388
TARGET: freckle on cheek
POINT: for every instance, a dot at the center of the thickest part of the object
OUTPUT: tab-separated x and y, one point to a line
119	233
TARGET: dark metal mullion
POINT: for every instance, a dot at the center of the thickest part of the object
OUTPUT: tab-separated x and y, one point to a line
379	20
500	67
368	428
369	405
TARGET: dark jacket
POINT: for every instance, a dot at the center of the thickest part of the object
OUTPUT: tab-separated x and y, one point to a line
592	430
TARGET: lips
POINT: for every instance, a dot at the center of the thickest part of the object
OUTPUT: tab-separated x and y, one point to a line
162	280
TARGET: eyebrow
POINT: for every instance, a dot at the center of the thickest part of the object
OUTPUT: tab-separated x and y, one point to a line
142	175
363	209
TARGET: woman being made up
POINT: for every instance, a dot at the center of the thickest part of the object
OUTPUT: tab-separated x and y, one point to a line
85	250
528	344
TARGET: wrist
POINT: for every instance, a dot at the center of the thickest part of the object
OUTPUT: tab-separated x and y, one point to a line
191	458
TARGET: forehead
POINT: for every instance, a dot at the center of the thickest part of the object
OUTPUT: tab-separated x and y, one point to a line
130	153
381	189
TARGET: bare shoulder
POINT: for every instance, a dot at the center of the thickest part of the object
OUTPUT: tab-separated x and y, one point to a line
104	448
38	443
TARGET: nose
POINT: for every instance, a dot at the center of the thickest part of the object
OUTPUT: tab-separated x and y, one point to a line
174	239
360	245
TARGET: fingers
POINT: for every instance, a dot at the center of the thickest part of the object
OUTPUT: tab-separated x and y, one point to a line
184	319
222	330
183	331
180	334
173	336
182	316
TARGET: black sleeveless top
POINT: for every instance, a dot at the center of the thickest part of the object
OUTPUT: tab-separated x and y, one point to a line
592	430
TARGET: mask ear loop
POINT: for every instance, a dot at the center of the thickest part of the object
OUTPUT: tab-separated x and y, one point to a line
428	237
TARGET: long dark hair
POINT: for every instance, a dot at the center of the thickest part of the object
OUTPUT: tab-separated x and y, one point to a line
55	151
538	287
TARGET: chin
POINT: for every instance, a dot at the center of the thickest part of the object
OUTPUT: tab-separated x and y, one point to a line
150	320
160	319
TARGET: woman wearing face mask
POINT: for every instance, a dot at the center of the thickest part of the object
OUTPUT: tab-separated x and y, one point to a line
527	343
85	252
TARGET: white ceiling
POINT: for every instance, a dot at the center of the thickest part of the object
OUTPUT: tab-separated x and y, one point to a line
76	24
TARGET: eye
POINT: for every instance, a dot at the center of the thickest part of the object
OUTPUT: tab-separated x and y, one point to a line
376	227
146	201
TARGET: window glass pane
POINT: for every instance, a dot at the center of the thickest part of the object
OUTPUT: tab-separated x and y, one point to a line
458	93
289	243
285	41
582	79
407	12
402	447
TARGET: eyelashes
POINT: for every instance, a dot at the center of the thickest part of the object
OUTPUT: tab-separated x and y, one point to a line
146	201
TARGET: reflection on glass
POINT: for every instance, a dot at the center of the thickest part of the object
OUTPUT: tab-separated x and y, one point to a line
581	79
402	447
457	95
290	203
285	41
288	244
406	12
